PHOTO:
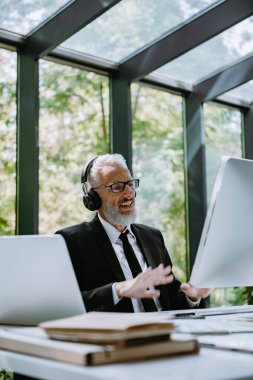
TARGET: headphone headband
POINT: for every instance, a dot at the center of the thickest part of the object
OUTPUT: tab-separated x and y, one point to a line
86	170
91	199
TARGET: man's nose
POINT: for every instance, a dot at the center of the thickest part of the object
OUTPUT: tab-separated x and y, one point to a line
129	189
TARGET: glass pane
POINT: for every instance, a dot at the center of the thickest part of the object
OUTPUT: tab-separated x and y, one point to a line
243	92
21	16
214	54
7	141
74	126
223	138
158	162
131	24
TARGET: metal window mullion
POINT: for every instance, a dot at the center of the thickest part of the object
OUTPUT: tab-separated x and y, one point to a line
248	133
225	80
27	145
195	174
120	118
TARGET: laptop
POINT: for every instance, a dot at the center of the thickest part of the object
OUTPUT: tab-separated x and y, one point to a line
225	253
38	282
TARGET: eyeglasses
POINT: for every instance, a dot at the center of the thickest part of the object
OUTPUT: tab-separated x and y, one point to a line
118	187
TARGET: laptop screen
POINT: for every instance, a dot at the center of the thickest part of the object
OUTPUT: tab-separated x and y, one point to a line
38	280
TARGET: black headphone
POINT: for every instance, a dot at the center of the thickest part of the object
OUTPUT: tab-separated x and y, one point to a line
91	199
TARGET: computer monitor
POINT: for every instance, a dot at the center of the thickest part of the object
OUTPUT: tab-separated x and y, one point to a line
225	253
38	282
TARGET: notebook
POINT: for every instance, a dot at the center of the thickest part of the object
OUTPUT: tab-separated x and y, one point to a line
38	282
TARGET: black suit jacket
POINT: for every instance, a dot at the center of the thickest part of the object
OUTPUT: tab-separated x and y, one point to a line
97	267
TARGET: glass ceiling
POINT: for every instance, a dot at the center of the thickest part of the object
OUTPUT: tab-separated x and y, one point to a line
212	55
22	16
130	25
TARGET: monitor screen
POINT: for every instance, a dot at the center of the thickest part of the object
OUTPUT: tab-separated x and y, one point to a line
225	253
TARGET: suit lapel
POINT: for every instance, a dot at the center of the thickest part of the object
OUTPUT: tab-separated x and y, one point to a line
146	248
149	250
107	249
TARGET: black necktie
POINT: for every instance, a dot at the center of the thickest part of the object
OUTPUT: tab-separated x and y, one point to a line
148	304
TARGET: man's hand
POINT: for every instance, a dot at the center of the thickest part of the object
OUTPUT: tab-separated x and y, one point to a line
194	293
138	287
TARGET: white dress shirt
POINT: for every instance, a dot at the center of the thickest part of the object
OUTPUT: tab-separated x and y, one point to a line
117	245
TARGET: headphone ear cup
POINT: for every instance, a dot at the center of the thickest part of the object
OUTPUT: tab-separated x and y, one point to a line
92	200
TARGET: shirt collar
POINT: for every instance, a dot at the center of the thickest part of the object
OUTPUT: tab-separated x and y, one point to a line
111	231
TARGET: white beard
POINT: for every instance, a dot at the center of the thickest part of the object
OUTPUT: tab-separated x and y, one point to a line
115	217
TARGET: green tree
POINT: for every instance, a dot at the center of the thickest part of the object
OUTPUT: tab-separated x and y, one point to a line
158	162
6	375
7	141
74	125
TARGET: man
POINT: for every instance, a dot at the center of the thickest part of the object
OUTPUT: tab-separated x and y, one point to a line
122	266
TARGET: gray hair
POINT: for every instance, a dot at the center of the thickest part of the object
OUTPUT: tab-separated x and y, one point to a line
100	162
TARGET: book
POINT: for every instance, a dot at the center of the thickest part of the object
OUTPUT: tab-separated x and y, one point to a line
110	328
34	341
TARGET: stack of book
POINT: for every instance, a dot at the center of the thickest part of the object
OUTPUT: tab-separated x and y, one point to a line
99	338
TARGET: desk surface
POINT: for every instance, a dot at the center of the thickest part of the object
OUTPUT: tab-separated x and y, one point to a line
209	364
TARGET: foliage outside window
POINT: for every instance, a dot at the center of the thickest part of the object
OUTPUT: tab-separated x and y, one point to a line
222	138
74	108
7	141
6	375
158	162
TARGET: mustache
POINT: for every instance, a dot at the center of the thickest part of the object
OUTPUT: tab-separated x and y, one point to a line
127	198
